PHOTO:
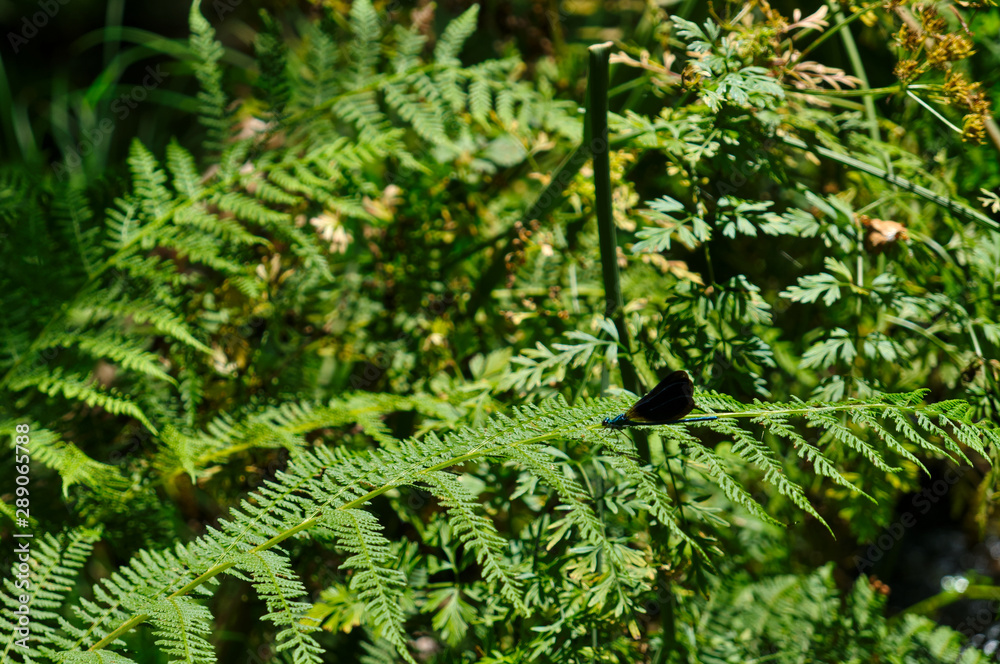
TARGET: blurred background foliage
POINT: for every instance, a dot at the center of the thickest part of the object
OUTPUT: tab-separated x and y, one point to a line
782	235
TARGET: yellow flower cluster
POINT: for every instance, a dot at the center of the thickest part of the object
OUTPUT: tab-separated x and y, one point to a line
926	34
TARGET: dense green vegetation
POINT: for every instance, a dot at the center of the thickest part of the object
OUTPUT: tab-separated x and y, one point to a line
312	364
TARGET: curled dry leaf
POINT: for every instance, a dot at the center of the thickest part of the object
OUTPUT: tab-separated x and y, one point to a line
815	21
811	75
666	77
881	233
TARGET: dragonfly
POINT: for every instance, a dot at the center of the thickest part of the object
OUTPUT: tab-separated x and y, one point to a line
667	403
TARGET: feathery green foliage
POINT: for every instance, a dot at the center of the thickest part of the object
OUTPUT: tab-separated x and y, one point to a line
262	347
325	492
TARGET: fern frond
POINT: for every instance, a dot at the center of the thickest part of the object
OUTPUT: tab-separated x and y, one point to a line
181	624
71	207
477	533
184	172
324	492
833	427
212	100
272	56
110	343
252	210
412	106
824	467
540	365
76	387
148	181
318	67
361	107
73	465
455	35
122	224
223	228
377	584
409	43
161	318
716	468
872	415
365	48
649	489
59	559
759	454
283	592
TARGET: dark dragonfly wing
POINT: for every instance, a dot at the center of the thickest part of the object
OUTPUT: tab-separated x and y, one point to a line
671	399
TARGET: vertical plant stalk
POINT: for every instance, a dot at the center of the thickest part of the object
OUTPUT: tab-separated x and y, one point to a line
859	69
600	149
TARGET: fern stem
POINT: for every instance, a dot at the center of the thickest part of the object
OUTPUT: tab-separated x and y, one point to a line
213	571
807	409
862	92
783	411
134	621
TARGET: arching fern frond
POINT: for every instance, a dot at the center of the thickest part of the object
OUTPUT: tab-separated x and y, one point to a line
77	387
73	465
876	428
324	493
285	426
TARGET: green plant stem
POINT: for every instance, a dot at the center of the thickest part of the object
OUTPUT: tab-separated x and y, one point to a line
866	92
923	192
784	411
943	599
859	279
859	68
597	116
933	111
975	340
927	334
